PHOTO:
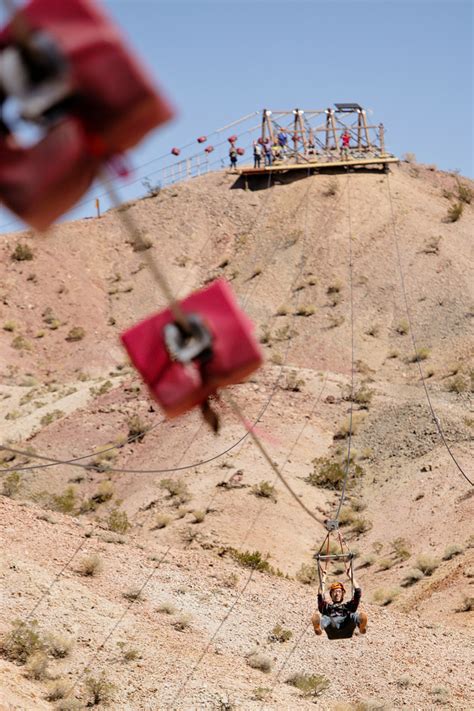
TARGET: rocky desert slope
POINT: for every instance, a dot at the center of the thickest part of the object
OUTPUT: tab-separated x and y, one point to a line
141	588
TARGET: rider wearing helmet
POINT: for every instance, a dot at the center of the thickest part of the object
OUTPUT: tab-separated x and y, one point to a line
338	618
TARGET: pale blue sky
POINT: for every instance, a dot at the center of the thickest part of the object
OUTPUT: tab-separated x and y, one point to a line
410	62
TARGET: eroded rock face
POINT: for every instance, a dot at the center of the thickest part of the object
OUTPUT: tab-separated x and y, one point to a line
69	398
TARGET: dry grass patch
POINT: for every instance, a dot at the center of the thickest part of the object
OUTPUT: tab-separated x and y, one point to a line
11	484
265	490
452	551
427	564
411	577
257	660
76	333
454	212
161	521
37	666
57	690
385	596
22	253
166	608
279	634
99	690
310	685
118	521
183	622
90	566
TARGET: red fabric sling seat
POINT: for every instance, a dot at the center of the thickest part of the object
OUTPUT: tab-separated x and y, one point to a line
106	91
234	353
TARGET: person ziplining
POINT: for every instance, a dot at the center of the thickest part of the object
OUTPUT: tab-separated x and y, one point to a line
337	618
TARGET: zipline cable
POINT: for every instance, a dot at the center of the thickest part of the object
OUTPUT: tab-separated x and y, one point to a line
434	416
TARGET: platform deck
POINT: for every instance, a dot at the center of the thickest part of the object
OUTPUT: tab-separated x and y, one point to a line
315	166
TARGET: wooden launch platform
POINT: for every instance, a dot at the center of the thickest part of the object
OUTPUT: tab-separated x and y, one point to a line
317	166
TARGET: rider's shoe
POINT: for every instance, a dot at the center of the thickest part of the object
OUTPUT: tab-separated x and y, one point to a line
363	620
316	624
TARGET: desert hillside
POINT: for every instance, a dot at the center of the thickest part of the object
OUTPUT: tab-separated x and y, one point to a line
166	567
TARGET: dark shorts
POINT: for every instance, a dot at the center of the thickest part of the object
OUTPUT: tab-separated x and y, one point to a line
340	626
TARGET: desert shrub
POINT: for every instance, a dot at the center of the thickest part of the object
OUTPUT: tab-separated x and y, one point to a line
361	525
402	328
11	484
307	574
254	560
133	594
182	622
367	560
386	563
104	492
452	551
76	333
137	429
409	157
118	521
166	608
265	490
51	417
37	666
362	396
261	693
411	577
259	661
310	685
385	596
279	634
9	326
427	564
335	321
102	389
401	548
23	640
104	457
292	382
346	516
467	604
440	695
347	426
58	645
129	654
65	503
421	354
20	343
177	490
373	330
431	246
454	212
458	384
282	310
22	253
99	690
464	193
332	188
56	690
199	516
90	566
307	310
330	474
162	520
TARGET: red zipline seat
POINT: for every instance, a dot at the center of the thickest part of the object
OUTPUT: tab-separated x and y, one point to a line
209	149
106	92
240	151
178	386
175	151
